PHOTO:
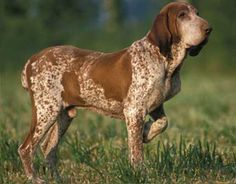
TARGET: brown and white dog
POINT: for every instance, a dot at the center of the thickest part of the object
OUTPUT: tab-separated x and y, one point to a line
128	84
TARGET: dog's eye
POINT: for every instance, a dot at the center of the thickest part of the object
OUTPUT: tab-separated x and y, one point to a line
182	14
197	13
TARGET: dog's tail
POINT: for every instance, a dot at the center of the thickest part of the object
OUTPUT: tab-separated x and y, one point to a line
24	81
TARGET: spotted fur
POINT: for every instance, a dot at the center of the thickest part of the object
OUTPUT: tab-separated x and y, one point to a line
128	85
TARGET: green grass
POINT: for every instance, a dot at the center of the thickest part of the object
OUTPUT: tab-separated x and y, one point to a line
199	145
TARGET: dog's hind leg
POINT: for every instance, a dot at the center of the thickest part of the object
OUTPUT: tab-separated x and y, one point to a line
52	139
153	128
44	116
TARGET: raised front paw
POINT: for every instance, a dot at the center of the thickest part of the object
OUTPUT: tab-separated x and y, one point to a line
153	128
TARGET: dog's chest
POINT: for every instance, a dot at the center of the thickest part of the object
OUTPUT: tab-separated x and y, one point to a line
173	86
154	79
163	88
148	76
172	81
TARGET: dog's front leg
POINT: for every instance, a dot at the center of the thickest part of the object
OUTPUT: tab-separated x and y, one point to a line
134	123
156	126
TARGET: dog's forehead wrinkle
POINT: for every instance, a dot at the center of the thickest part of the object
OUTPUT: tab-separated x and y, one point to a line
192	9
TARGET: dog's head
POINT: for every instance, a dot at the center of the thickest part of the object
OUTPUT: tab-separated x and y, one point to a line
177	22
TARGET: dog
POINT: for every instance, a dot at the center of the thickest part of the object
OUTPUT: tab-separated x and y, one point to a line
128	84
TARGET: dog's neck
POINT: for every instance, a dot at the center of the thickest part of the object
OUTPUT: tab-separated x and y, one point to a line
178	54
178	51
172	61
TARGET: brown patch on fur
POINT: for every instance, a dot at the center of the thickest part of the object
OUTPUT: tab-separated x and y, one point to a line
71	89
113	73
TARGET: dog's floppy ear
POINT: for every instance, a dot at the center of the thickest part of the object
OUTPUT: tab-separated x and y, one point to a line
164	31
172	16
160	34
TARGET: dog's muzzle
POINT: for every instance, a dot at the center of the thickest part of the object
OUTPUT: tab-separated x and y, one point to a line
194	50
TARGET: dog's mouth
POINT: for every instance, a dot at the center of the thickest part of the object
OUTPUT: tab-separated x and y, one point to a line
194	50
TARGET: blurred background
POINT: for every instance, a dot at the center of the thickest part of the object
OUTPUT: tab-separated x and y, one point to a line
27	26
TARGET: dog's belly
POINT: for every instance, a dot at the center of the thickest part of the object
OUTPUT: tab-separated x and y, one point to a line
113	113
95	100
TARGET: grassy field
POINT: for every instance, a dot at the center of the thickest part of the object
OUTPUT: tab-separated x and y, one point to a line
199	145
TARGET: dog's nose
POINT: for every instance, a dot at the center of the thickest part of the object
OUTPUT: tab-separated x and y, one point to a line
208	30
